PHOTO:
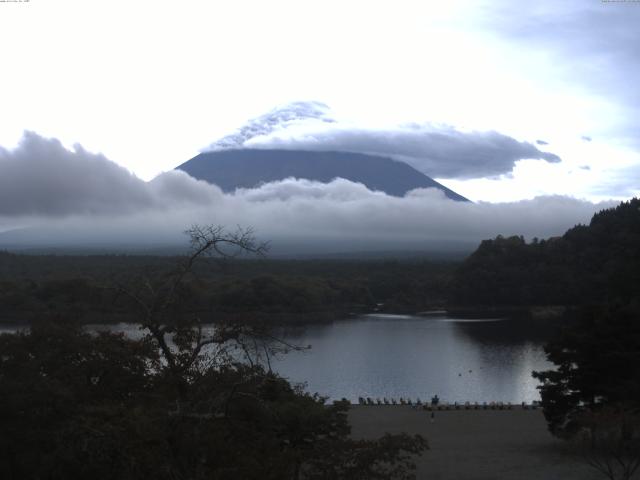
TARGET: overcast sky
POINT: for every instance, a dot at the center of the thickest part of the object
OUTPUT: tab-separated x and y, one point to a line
151	83
501	101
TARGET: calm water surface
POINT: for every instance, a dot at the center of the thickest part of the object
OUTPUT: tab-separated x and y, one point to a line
411	356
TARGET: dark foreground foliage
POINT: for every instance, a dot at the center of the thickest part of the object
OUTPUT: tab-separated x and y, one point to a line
597	363
592	397
185	401
75	405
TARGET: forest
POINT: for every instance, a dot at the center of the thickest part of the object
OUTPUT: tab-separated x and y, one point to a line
249	287
595	263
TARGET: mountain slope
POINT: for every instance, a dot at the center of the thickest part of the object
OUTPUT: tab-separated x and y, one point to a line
599	262
247	168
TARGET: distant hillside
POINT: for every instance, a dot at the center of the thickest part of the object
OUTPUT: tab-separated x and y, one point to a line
588	264
247	168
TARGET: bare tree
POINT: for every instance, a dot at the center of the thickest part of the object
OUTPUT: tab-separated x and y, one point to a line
180	336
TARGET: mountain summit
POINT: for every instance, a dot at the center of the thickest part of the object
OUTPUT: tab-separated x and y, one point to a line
248	168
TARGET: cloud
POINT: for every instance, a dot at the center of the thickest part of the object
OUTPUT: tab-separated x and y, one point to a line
274	120
439	151
62	197
339	190
41	177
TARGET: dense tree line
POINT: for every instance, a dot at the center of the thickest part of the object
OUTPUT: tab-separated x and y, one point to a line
291	290
594	263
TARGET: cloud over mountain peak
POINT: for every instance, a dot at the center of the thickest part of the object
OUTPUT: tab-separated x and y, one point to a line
439	151
276	119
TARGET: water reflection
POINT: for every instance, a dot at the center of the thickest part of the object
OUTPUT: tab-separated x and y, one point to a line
9	328
410	356
395	356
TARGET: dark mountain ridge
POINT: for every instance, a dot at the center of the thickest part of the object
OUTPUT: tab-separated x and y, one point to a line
248	168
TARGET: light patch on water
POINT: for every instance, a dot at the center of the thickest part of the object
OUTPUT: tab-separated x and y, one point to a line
471	320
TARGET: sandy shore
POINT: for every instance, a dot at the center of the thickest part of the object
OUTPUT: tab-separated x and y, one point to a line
476	444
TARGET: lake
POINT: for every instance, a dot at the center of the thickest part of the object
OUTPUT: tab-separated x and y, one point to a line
394	356
415	356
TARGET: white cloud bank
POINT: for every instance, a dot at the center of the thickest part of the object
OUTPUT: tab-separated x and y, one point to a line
63	197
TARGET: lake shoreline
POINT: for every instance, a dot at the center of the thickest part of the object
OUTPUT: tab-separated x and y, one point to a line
543	313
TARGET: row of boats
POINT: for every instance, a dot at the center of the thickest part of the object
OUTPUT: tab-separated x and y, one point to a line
437	405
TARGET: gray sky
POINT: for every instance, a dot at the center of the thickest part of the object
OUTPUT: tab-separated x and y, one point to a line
502	101
149	84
